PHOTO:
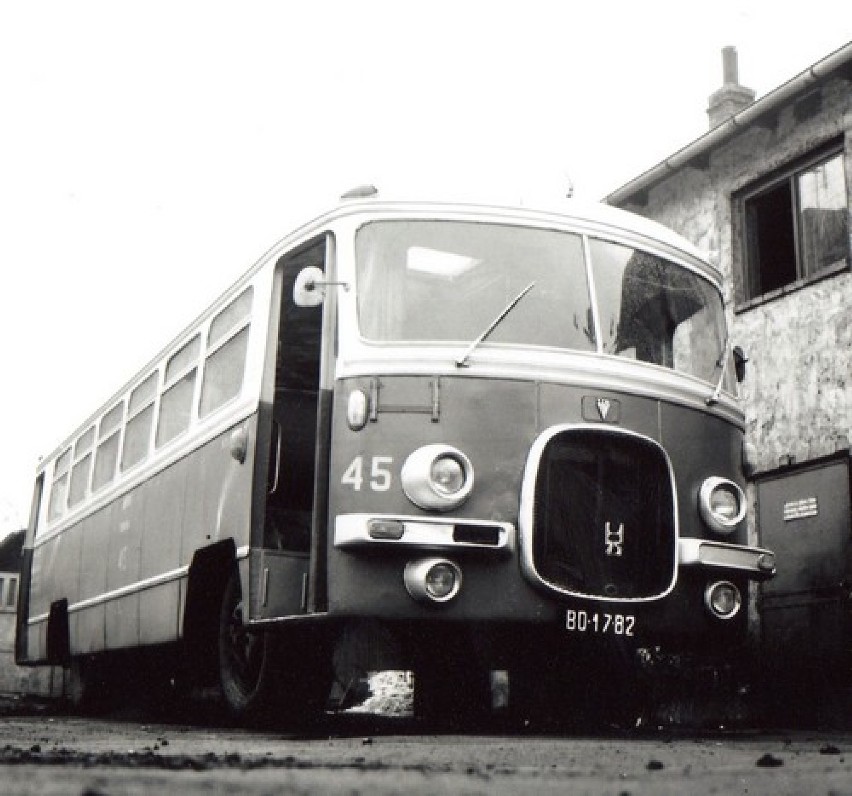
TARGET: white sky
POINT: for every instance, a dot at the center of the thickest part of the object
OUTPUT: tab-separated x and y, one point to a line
151	151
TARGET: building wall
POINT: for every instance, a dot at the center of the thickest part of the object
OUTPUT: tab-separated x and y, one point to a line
799	343
42	680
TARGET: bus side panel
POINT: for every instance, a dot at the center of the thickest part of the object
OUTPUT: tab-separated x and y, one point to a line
87	624
160	553
40	597
55	576
234	497
124	544
218	495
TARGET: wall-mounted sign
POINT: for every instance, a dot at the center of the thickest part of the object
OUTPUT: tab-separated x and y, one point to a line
799	509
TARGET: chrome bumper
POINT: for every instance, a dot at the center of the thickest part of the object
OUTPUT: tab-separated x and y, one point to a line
757	562
444	533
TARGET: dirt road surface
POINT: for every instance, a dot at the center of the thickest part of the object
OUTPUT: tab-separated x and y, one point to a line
49	752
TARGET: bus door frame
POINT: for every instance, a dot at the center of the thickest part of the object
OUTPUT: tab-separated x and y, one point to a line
310	595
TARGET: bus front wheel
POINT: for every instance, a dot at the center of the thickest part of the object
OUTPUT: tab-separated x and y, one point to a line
246	663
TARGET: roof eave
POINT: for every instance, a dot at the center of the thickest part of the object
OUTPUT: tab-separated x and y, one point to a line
700	147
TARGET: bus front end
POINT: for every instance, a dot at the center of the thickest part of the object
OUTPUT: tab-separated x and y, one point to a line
535	450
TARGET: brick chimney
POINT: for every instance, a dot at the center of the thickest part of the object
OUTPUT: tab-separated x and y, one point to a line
732	97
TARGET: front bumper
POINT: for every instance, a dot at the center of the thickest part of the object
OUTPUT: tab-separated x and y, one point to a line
756	563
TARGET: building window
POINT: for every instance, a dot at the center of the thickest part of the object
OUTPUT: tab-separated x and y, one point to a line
796	226
8	592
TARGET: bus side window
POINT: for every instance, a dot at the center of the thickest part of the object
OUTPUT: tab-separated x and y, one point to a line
82	467
293	449
106	456
59	487
178	391
227	344
140	416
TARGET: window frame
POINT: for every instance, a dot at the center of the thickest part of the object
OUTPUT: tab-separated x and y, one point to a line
57	502
180	365
149	388
110	428
9	587
216	338
82	467
746	272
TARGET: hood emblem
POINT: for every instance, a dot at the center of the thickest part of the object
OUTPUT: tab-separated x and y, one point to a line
614	539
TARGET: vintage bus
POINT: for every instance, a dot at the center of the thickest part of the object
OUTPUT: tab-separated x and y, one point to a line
498	437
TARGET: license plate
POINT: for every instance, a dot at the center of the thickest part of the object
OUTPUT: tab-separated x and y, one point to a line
600	622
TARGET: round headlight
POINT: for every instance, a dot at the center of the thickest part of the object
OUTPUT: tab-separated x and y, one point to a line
432	580
722	504
437	477
723	599
447	475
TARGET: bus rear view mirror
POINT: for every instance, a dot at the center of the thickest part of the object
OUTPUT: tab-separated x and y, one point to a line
309	287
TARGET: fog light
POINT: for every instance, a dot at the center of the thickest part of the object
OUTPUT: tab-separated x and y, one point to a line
432	579
723	599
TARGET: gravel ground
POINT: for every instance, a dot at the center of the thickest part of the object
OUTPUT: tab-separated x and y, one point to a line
46	751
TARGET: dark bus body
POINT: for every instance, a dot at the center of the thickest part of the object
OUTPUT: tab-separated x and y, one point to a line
502	436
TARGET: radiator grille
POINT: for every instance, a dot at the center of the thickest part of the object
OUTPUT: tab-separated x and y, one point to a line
603	519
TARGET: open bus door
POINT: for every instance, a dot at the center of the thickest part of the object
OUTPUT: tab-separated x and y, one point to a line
22	628
292	494
271	667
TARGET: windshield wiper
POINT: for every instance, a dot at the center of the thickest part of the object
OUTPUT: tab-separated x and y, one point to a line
723	363
462	360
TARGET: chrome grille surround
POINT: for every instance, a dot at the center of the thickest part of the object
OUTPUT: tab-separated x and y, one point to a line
589	563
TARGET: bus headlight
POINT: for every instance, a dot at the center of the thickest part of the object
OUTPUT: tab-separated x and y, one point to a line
437	477
435	580
722	504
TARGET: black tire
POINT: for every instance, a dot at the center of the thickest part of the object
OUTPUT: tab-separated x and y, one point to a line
246	666
282	678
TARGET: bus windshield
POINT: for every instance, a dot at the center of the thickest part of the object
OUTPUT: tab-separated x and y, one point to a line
655	311
446	281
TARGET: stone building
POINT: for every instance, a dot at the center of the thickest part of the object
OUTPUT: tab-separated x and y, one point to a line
766	193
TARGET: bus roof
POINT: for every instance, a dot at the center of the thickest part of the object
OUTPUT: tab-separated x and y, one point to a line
568	210
592	216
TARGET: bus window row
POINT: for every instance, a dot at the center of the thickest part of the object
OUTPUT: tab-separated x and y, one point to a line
189	385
